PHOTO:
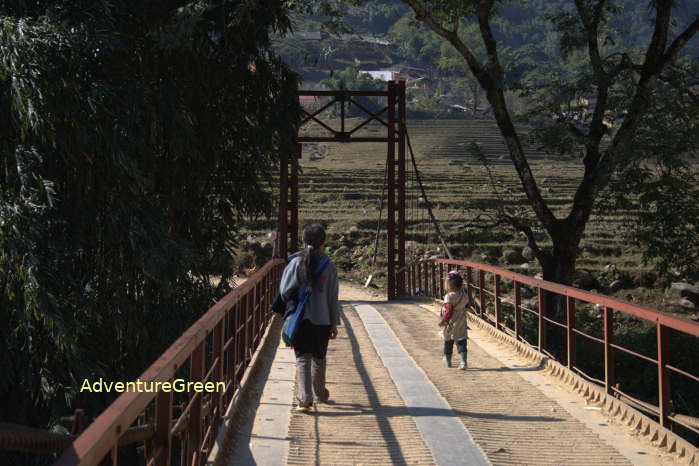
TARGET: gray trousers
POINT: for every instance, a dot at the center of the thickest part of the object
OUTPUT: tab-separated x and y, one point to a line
310	379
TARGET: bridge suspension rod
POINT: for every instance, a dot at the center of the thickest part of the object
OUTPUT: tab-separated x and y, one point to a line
424	195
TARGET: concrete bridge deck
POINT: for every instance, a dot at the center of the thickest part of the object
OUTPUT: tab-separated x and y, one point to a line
393	402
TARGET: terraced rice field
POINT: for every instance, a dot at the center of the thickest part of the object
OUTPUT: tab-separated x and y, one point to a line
342	184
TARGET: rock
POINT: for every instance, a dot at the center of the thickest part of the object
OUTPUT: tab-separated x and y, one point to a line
512	256
342	250
353	228
585	279
687	304
539	276
528	253
524	266
684	290
272	236
615	285
610	268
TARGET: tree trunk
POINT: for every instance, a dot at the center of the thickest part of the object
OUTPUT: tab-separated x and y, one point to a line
558	265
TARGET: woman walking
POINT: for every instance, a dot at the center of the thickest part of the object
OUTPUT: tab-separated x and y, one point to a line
321	315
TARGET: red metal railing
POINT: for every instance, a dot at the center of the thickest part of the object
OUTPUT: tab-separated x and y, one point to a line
427	278
217	348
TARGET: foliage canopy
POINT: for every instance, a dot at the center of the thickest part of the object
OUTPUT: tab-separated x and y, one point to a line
133	137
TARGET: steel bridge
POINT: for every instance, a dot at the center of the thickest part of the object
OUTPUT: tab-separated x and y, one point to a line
392	400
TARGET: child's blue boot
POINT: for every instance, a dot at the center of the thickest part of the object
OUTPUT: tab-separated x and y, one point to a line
447	360
462	362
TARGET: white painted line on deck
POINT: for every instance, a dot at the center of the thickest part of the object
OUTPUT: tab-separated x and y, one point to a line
269	442
445	435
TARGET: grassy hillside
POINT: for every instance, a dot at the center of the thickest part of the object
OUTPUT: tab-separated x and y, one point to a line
341	186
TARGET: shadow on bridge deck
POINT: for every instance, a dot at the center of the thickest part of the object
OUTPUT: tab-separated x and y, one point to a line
380	414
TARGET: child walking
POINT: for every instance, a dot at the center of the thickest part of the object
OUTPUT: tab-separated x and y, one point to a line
453	319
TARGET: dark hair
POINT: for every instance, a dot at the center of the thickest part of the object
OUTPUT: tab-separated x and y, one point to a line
313	239
454	280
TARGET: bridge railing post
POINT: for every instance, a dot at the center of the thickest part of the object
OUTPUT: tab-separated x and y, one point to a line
542	323
496	286
570	334
196	374
663	374
162	439
608	349
518	311
441	280
219	375
481	285
469	284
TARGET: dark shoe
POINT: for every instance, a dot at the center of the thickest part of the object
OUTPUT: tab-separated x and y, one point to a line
325	398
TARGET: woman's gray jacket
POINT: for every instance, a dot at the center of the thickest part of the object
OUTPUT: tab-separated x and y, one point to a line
322	307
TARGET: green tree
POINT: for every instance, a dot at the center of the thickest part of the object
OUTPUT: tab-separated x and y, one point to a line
133	137
622	83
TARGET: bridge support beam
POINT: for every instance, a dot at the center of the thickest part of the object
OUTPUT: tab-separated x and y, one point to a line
395	111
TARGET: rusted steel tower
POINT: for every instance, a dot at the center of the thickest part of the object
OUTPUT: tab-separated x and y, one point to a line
391	116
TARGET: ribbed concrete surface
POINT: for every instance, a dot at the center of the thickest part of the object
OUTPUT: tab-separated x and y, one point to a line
512	421
367	422
444	434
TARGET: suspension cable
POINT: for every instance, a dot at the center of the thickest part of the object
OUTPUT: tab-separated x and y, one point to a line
378	223
424	195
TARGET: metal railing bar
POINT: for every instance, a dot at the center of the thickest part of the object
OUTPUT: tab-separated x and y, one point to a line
213	366
581	333
680	371
555	322
532	311
102	435
509	331
184	414
588	377
228	343
667	320
685	421
638	404
626	350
